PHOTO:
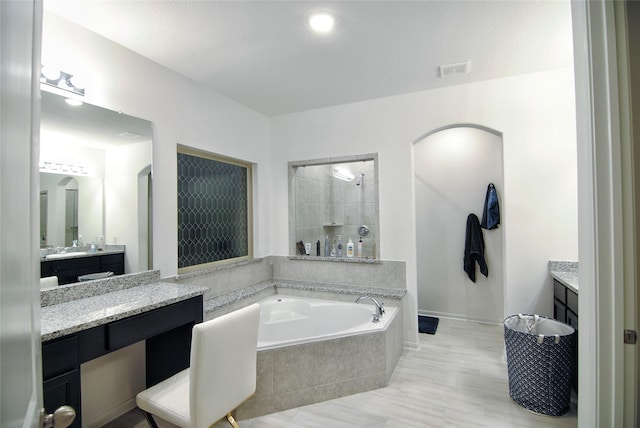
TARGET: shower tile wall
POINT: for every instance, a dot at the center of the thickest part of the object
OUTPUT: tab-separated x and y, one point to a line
322	200
312	209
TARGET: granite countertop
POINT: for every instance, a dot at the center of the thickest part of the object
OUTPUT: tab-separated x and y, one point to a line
566	273
81	314
78	254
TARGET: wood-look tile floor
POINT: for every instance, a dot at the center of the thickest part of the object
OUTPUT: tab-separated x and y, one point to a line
458	378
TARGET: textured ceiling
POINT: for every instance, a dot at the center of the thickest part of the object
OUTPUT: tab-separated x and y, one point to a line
262	54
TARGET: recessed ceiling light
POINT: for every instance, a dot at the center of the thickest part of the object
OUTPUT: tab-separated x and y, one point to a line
73	102
322	22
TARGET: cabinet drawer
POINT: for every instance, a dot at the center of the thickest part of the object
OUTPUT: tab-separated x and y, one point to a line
59	356
559	291
572	301
131	330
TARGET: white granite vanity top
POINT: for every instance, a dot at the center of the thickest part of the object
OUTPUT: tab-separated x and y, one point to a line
76	315
566	273
78	254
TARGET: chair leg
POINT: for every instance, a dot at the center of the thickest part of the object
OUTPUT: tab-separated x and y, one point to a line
149	417
232	421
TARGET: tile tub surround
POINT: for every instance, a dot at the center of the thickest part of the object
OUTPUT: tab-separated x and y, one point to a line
228	278
321	370
239	284
566	272
352	273
237	299
299	375
81	314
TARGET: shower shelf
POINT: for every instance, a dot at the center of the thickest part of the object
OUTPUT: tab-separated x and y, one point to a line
333	224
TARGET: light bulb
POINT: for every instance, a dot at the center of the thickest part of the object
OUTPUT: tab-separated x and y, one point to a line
73	102
322	22
50	73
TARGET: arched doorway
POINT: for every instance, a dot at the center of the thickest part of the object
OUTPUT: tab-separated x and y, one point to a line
453	167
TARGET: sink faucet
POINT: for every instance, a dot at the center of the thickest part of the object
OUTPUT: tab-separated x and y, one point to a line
379	307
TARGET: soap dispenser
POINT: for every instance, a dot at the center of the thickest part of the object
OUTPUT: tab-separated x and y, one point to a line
350	248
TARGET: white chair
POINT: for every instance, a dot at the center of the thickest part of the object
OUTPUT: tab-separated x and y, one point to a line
48	282
222	374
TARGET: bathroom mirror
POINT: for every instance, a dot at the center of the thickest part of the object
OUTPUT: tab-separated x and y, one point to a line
334	198
95	179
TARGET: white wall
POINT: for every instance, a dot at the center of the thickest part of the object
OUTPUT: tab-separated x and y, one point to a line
453	168
105	396
122	166
535	114
89	206
181	112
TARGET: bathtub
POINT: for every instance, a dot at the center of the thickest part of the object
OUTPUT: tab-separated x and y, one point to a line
287	320
312	350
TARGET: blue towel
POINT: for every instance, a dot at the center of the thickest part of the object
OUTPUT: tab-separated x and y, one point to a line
491	211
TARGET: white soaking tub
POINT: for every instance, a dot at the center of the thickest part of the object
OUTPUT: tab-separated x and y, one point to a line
287	320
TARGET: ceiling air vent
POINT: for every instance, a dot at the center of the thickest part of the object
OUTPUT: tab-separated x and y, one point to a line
453	69
130	135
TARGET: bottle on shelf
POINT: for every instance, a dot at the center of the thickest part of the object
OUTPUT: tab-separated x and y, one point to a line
350	248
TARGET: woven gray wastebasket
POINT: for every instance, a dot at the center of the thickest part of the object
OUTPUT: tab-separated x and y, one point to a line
539	363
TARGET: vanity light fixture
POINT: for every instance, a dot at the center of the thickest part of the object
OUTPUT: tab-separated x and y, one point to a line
321	22
342	174
62	80
49	73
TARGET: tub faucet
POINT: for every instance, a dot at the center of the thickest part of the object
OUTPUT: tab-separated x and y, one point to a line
379	307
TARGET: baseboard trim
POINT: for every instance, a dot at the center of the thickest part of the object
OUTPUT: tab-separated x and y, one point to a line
111	414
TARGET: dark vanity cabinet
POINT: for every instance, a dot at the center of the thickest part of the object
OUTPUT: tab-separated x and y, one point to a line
68	270
565	309
565	304
167	331
61	375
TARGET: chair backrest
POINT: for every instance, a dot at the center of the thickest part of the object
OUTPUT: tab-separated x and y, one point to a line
223	364
48	282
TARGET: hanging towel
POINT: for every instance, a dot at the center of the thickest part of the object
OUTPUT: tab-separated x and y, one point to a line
491	211
474	248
